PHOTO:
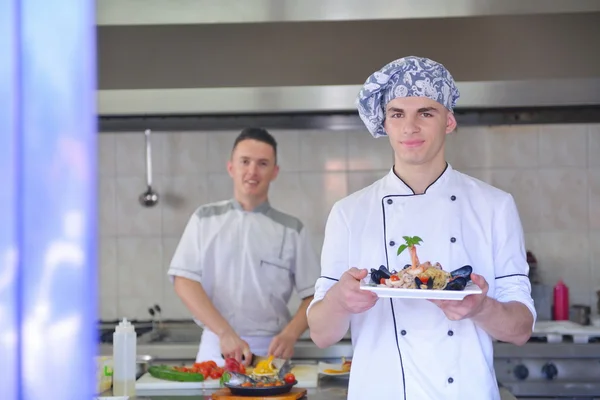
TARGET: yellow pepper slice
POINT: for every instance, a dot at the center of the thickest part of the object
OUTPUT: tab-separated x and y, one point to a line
265	367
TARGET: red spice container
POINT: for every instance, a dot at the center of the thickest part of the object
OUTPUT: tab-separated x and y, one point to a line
561	301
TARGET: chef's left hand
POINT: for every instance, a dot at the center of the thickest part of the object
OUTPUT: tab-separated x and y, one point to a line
282	346
470	306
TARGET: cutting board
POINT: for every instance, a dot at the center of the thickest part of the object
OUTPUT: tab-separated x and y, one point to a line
148	382
225	394
555	330
306	375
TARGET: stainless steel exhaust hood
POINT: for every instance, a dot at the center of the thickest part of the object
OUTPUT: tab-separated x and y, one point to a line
165	12
195	58
337	99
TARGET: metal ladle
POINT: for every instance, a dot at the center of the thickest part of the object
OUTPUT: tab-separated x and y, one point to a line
149	198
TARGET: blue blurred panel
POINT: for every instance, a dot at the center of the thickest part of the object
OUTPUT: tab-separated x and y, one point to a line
9	377
58	247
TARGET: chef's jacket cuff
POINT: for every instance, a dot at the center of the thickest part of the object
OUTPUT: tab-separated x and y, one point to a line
516	288
184	273
306	292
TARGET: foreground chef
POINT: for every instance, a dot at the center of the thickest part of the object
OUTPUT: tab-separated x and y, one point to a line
239	260
421	349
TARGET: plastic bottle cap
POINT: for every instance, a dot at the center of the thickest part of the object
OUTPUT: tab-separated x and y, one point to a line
125	326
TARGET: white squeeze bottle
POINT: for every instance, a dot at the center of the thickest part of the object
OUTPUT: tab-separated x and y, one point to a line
124	359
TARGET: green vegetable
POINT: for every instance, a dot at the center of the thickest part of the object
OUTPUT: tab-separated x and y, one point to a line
167	373
224	378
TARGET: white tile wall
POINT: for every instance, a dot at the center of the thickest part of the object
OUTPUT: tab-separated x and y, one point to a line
553	171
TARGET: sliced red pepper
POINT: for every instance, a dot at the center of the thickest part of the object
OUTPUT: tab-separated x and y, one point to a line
382	281
231	364
394	278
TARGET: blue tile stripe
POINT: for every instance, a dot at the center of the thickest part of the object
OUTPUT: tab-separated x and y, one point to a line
48	213
9	129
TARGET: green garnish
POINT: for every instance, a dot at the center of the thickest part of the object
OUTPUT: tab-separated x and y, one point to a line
409	242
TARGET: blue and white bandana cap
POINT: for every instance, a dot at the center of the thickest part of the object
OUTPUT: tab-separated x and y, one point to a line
405	77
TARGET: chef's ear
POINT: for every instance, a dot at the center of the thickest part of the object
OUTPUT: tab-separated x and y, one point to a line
450	123
230	168
275	172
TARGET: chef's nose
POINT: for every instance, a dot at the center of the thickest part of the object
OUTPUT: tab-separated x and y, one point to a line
410	125
252	168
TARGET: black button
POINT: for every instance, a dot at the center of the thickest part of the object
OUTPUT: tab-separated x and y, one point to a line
450	380
392	243
450	333
403	332
452	239
453	197
390	201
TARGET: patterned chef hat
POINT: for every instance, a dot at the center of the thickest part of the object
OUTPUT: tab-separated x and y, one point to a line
405	77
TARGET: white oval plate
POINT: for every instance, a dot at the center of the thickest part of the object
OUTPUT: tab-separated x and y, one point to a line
427	294
323	366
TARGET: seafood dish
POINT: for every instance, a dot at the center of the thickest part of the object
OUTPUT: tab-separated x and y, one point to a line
424	276
263	380
239	380
421	275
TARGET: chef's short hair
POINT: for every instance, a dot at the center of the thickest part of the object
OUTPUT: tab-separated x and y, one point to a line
259	134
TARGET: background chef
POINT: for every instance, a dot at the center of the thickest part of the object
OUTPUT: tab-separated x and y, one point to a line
238	261
408	348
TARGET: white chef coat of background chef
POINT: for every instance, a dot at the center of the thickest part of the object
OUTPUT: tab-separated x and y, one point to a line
248	263
408	349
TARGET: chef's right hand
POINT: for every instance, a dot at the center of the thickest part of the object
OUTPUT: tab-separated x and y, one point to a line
348	295
232	346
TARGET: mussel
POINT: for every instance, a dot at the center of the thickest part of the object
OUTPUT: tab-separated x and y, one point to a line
378	274
458	283
463	272
383	269
420	284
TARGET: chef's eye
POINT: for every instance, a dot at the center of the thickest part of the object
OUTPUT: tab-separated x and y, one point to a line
396	115
427	115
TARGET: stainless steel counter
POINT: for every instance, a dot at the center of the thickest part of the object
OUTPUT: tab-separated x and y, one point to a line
304	350
576	364
307	350
329	389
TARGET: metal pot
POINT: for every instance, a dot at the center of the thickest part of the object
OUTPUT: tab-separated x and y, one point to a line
580	314
143	362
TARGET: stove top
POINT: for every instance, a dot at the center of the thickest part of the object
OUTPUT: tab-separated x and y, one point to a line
562	359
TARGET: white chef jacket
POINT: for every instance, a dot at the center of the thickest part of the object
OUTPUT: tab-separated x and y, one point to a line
408	349
248	262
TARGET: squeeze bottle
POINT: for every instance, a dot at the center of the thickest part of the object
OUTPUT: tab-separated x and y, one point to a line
561	301
124	359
